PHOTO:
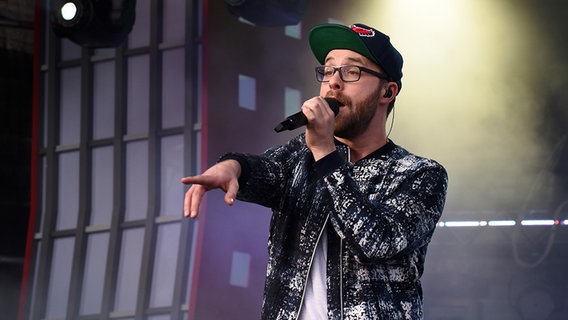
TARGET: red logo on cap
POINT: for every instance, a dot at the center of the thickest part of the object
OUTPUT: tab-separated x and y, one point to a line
363	32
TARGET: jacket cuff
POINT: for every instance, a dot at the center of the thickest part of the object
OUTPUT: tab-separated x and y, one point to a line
245	167
327	164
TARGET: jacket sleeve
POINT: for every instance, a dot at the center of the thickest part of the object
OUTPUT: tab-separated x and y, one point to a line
264	177
397	211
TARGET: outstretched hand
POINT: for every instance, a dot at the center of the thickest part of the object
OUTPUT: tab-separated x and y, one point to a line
223	175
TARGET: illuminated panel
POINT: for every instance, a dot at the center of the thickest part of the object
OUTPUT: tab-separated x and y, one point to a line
501	223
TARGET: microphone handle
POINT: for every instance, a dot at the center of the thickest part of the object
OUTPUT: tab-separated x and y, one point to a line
299	119
292	122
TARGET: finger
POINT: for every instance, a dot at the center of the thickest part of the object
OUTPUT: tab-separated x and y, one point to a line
231	193
321	108
195	200
192	201
201	179
309	111
187	203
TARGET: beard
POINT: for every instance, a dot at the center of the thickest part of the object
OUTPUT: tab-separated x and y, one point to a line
353	121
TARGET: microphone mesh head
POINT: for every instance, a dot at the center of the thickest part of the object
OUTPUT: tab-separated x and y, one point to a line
333	105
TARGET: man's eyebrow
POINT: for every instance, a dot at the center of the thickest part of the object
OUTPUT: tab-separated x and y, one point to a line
352	59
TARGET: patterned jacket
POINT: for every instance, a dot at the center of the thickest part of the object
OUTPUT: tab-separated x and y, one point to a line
379	214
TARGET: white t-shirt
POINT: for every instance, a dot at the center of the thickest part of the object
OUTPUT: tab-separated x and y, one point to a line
315	300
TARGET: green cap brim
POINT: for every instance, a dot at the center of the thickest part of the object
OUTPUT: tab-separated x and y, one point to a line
324	38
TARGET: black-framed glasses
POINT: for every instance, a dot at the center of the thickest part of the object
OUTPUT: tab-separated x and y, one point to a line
346	73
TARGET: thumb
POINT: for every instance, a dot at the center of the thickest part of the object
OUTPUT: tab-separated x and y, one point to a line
231	193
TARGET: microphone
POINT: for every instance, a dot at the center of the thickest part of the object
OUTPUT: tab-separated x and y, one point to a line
299	119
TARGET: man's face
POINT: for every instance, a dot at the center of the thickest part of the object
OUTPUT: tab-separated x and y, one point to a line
360	98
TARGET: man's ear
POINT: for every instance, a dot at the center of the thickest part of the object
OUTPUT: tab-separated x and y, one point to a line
391	90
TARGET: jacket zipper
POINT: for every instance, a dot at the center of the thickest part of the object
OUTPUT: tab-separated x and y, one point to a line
310	267
341	259
340	264
341	278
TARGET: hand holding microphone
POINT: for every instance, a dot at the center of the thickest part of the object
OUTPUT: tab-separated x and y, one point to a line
299	119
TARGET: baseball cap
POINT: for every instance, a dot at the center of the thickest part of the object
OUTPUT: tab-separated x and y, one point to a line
362	39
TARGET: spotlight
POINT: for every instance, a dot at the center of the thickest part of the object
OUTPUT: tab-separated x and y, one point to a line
93	23
268	13
68	11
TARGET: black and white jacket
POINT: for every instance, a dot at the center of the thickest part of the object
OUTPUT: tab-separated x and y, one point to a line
379	214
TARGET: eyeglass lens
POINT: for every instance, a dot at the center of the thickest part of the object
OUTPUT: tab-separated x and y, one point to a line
346	73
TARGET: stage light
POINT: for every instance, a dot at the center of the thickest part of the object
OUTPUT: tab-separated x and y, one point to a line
68	11
268	13
541	222
93	23
502	223
462	224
